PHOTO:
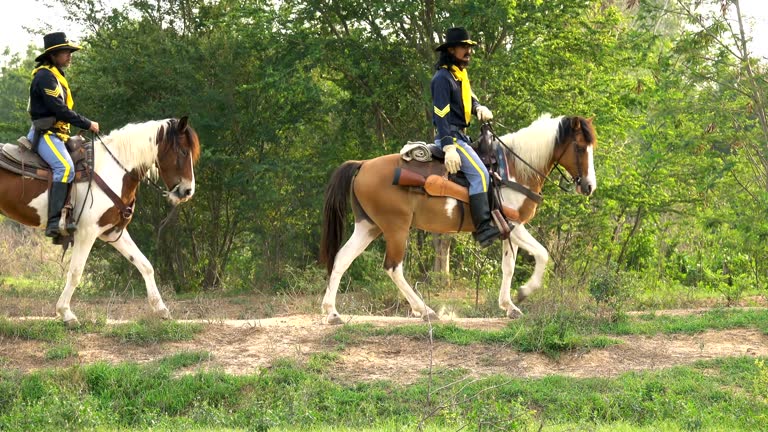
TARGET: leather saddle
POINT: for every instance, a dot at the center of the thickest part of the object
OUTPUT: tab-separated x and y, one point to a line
21	159
429	174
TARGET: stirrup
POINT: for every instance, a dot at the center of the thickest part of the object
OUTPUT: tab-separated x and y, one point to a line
501	224
67	227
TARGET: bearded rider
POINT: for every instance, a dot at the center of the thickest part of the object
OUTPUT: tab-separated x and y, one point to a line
453	103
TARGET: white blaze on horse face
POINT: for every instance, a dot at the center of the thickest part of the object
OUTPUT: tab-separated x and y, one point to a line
187	187
184	190
589	183
192	170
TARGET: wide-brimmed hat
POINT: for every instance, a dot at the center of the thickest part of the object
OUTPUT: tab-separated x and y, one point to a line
56	42
456	36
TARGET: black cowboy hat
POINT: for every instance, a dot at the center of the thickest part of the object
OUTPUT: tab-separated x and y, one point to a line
455	36
56	42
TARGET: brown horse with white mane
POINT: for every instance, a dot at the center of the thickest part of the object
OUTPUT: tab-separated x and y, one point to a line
383	207
104	192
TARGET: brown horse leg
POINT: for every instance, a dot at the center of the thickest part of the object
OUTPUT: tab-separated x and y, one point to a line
393	264
365	232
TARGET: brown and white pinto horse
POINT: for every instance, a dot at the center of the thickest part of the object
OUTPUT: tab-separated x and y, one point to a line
380	207
166	148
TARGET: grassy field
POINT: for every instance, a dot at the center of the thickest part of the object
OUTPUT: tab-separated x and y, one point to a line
172	393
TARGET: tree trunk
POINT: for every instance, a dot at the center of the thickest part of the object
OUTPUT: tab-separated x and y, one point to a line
442	245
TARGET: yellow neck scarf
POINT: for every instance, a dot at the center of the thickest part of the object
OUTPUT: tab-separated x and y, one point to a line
466	90
61	127
62	81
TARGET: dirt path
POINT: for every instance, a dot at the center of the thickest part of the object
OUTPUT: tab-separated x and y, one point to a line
243	346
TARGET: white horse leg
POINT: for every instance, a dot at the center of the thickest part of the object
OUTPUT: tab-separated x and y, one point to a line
509	255
364	233
418	306
525	240
80	250
125	245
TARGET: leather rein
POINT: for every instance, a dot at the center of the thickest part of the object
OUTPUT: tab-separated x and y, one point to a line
576	180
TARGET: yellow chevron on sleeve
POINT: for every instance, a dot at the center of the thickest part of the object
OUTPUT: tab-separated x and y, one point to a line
55	92
442	112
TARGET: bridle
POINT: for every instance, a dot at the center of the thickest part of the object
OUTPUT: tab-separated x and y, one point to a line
125	170
126	211
576	180
577	154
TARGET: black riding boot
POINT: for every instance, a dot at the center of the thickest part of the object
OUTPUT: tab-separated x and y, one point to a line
485	232
57	197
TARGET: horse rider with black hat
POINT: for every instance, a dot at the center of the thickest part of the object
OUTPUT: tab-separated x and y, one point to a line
453	103
50	107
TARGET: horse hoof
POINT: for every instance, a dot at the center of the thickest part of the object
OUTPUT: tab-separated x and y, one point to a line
514	313
164	314
521	296
335	319
431	316
73	323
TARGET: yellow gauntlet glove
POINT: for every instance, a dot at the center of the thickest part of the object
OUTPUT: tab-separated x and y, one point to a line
483	113
452	159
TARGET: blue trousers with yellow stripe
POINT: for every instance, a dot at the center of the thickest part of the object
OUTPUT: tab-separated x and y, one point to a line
53	151
472	167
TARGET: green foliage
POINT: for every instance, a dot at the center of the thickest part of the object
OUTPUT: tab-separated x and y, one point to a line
608	287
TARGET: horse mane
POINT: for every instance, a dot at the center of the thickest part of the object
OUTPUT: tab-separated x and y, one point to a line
135	144
534	144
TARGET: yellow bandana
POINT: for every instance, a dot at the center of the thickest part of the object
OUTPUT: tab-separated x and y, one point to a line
61	126
466	90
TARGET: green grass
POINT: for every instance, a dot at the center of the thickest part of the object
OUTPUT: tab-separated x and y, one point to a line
148	331
551	339
562	331
19	286
43	330
60	352
48	330
725	394
716	319
184	359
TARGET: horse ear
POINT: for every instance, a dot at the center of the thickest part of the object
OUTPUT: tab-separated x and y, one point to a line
589	120
575	123
183	123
